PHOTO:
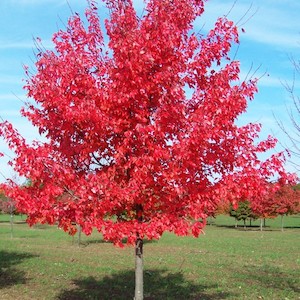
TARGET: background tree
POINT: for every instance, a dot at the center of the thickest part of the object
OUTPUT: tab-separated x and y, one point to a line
7	206
294	116
242	212
262	206
224	207
286	201
277	200
141	135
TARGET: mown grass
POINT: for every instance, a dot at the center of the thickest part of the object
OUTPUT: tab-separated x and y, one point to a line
226	263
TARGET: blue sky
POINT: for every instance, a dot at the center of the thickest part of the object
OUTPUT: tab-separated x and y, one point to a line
272	36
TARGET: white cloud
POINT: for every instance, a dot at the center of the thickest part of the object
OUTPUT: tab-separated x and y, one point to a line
11	113
277	82
269	22
38	2
48	44
9	79
12	96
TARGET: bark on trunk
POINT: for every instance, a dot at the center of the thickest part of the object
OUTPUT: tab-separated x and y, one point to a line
139	279
11	222
281	222
261	224
79	235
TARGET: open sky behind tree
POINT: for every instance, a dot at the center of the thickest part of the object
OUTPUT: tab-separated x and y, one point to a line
271	38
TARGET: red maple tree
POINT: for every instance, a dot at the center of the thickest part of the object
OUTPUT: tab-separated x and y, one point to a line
278	198
286	201
262	206
140	133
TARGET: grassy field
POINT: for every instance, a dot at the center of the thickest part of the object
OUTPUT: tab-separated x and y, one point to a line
225	263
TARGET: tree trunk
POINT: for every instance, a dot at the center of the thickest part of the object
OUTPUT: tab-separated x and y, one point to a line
244	223
261	224
79	235
282	223
236	223
11	222
139	280
139	264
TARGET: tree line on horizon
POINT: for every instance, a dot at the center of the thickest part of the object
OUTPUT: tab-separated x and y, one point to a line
285	201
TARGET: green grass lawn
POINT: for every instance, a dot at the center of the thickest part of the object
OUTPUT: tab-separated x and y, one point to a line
226	263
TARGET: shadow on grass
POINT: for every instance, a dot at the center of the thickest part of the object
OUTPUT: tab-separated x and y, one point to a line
9	275
290	227
101	241
158	284
14	222
41	226
255	227
247	228
271	277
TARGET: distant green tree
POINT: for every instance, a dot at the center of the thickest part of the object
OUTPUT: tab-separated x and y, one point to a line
242	212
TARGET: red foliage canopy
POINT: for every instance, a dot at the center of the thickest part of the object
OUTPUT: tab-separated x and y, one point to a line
281	198
286	201
140	133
